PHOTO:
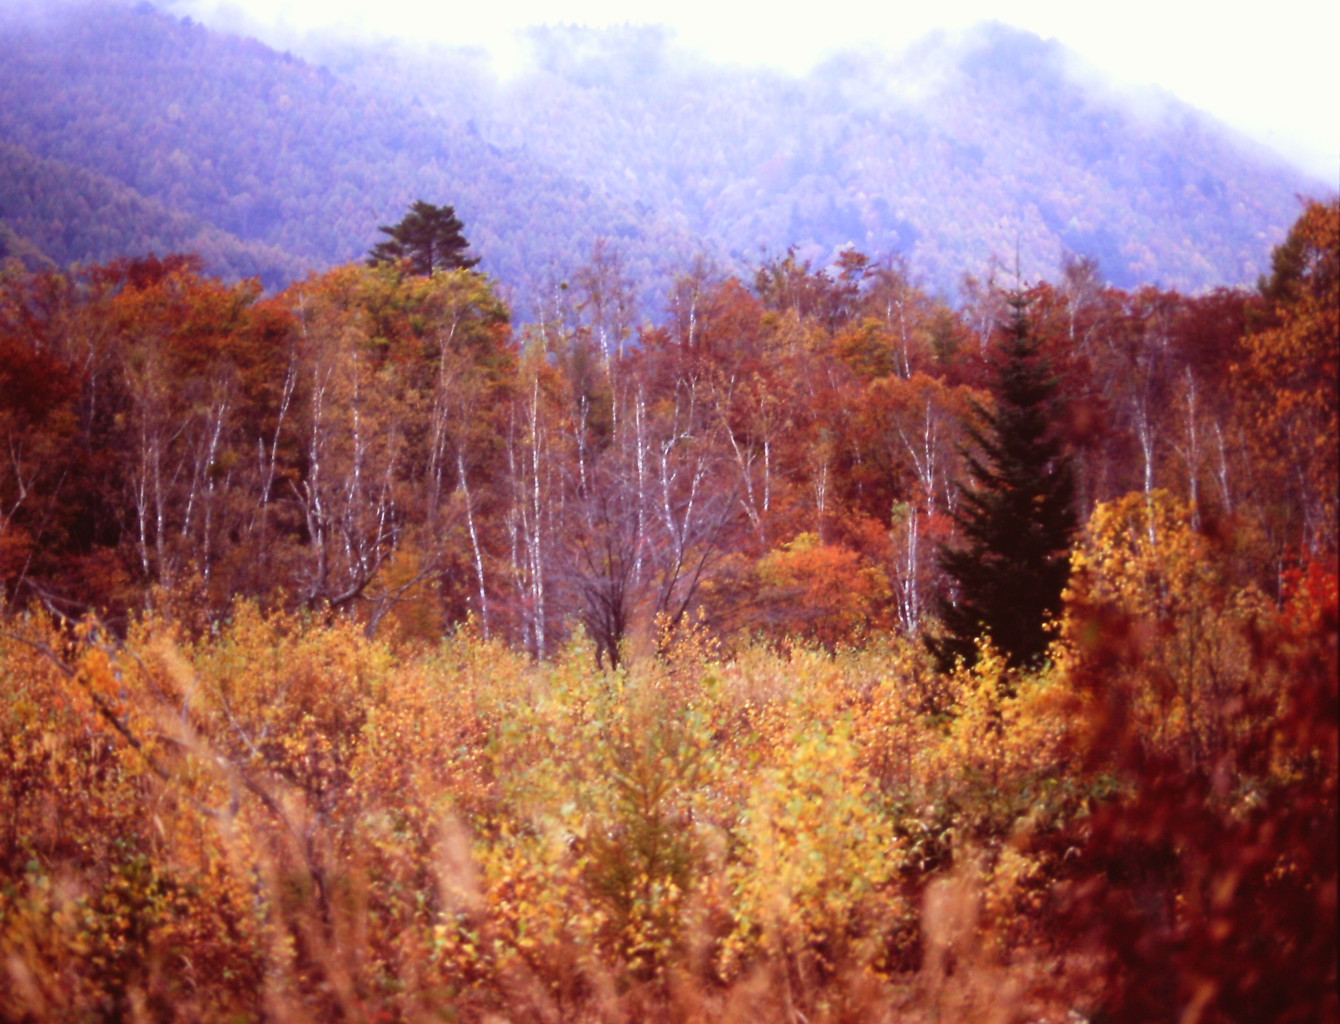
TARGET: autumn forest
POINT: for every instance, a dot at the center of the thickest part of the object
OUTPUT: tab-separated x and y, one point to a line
818	650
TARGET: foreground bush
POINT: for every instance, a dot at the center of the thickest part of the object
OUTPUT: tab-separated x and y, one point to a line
282	820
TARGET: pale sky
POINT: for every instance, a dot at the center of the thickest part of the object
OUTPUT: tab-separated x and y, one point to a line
1268	69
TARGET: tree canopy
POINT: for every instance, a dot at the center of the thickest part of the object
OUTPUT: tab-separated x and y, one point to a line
429	237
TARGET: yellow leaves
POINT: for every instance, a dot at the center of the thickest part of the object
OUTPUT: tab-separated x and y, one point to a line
1139	553
868	348
1003	754
816	854
333	812
1178	633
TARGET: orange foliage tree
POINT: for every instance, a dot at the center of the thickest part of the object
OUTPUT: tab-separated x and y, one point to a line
1287	384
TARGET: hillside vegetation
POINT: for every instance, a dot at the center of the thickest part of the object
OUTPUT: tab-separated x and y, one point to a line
955	156
363	660
690	614
783	457
282	820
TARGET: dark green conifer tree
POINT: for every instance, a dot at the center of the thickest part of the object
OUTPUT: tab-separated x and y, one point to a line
429	237
1016	516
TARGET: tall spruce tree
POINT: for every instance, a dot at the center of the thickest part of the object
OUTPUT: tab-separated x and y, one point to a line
429	237
1016	516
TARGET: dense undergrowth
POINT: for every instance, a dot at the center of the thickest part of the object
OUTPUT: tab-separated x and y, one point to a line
278	819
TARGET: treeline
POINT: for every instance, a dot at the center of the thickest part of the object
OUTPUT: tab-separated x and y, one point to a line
780	459
298	719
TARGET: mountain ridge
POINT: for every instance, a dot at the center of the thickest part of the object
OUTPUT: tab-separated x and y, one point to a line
955	156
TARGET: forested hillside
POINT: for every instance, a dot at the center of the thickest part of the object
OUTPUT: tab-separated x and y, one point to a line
264	147
362	659
636	625
58	212
781	457
955	156
963	148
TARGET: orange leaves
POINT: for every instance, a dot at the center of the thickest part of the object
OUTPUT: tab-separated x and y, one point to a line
1140	553
377	444
821	592
867	349
803	591
294	821
1287	378
245	814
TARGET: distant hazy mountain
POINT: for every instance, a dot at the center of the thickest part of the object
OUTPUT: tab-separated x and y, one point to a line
58	213
267	148
965	151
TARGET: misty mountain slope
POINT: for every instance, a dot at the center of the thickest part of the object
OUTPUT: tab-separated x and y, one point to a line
962	149
271	149
957	154
63	214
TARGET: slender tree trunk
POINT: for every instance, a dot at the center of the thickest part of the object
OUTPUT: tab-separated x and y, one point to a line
474	544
